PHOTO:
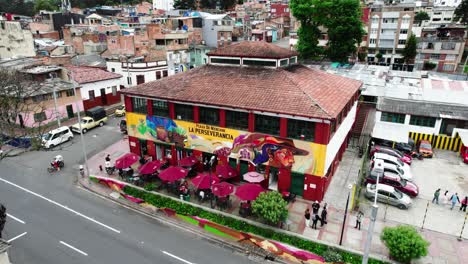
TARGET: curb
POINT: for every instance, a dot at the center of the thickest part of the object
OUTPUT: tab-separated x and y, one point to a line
159	216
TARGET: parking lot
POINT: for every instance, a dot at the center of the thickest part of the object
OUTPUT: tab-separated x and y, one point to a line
445	171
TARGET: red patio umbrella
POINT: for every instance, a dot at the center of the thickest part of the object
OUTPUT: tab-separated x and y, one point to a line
223	189
150	167
126	160
226	171
188	161
249	191
202	181
172	174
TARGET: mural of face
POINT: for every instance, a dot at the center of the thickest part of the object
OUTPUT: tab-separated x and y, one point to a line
282	158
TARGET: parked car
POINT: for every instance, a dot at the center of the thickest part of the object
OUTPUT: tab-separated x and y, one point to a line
464	153
396	182
406	148
120	111
392	152
95	116
394	169
394	161
56	137
425	148
388	194
123	126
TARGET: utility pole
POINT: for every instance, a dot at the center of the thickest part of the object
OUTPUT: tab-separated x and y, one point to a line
55	105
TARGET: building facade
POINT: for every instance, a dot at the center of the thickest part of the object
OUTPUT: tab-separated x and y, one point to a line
135	73
217	30
254	108
15	40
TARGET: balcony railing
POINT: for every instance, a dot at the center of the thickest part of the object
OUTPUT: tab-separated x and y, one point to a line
441	39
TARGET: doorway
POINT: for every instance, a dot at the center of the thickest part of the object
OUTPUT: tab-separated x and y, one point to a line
273	184
70	113
143	147
103	96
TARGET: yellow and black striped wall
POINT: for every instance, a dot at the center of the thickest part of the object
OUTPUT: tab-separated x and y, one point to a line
439	141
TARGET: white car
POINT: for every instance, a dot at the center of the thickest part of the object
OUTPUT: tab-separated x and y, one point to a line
56	137
400	171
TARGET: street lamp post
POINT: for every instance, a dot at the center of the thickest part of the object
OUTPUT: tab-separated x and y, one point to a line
55	105
345	214
210	163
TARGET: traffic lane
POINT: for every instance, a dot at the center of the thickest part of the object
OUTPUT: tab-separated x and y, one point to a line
139	234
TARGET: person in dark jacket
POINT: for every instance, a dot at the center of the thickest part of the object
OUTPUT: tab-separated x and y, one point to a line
464	203
307	217
315	207
315	219
323	215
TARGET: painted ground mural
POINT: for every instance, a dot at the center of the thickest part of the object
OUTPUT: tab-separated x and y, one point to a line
300	156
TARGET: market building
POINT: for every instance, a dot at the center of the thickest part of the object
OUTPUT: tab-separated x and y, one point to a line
255	108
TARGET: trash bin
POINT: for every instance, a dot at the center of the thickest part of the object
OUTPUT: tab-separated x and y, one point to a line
187	198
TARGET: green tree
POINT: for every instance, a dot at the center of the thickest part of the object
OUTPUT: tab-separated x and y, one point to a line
48	5
345	29
404	243
271	207
421	16
379	56
461	13
19	7
409	52
306	12
185	4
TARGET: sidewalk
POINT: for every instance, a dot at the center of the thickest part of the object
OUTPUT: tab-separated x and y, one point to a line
444	248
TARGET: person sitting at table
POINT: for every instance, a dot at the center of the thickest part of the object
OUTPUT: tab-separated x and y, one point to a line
130	171
201	195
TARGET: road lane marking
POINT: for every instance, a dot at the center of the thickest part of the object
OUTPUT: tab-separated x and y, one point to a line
74	248
15	218
16	237
60	205
176	257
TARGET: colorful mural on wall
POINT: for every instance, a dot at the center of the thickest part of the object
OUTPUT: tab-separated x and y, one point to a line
300	156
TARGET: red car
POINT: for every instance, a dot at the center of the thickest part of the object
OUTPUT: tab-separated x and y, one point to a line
392	152
395	181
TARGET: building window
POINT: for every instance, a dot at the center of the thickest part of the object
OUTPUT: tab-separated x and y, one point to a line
58	94
402	42
225	61
373	31
300	129
435	56
259	63
450	57
448	46
209	116
140	79
372	41
292	60
91	95
158	75
129	80
237	120
160	108
39	117
70	92
183	112
448	67
113	69
139	105
114	90
392	117
284	63
267	124
160	42
422	121
403	31
165	73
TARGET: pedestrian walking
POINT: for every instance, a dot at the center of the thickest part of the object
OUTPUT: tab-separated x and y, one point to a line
323	215
315	207
436	196
454	199
359	219
307	217
315	219
446	199
108	158
464	203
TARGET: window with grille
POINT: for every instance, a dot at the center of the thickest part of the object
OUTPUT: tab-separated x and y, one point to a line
39	117
139	105
392	117
237	120
160	108
91	95
183	112
422	121
209	116
70	93
300	129
267	124
225	61
259	63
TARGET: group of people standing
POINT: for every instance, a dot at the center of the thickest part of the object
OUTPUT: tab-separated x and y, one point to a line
454	199
315	217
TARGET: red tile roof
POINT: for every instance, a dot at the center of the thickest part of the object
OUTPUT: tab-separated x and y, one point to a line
296	90
84	75
254	49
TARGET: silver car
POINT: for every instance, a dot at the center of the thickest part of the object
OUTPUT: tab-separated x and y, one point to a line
388	194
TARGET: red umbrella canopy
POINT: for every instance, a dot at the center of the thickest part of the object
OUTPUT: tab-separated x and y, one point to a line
202	181
150	167
226	171
223	189
172	174
126	160
249	191
188	161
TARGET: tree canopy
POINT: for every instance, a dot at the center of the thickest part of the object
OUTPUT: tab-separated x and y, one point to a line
271	207
461	13
409	52
404	243
19	7
185	4
49	5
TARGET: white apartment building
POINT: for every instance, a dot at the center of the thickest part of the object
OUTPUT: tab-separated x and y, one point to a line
163	4
453	3
134	73
388	29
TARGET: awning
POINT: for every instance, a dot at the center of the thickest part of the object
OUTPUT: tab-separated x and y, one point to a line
463	133
391	131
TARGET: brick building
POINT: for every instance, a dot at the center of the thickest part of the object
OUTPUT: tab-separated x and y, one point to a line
254	108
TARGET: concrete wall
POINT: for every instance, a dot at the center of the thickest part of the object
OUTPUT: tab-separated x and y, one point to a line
15	41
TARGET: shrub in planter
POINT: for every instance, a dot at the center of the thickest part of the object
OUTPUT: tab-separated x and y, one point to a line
404	243
271	207
150	186
332	256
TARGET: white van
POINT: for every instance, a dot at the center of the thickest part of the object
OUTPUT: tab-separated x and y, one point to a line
56	137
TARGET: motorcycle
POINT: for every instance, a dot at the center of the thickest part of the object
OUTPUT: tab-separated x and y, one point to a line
56	164
110	170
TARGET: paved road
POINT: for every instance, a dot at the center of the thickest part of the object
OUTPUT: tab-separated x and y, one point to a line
53	221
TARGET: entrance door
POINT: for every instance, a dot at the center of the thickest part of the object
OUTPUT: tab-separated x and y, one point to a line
103	96
297	183
143	147
70	113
